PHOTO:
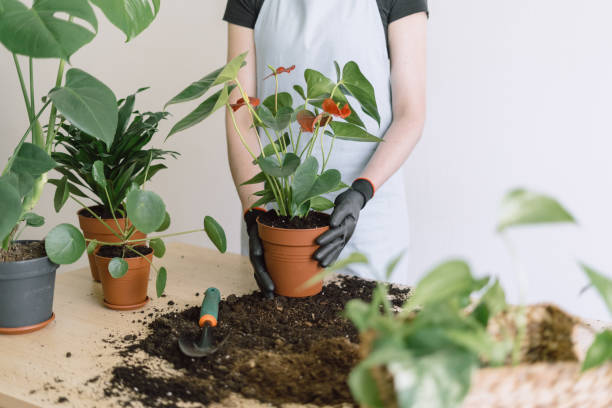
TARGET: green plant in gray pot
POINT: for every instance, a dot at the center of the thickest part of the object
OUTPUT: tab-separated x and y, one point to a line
125	163
49	30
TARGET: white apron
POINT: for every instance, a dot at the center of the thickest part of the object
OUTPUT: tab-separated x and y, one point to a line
312	34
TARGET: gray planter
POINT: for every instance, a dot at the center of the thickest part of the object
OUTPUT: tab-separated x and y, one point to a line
26	292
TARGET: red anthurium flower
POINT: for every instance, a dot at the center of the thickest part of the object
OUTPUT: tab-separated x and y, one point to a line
240	103
330	107
280	70
308	120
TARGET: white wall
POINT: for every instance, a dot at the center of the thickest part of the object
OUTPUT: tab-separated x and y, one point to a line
519	95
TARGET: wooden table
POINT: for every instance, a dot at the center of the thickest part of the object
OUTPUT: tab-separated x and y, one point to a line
34	368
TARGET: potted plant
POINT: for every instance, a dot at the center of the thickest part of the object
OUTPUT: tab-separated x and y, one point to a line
427	353
27	276
125	162
124	262
292	179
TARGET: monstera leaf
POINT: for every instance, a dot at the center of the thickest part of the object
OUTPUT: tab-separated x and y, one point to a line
130	16
37	32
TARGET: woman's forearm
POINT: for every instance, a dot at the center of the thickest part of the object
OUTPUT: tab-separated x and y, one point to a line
399	141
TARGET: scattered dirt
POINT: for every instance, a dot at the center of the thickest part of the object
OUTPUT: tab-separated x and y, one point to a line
68	354
279	351
23	251
100	211
112	251
314	219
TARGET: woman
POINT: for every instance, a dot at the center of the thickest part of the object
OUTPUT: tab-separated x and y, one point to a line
387	40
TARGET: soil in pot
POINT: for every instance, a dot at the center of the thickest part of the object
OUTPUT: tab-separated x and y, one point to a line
284	350
23	251
129	291
289	244
94	229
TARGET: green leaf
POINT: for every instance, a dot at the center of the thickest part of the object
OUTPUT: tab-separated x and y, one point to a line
491	303
441	379
158	247
10	207
338	74
34	220
215	232
522	207
304	179
361	89
38	33
117	267
25	183
204	110
364	388
61	194
321	204
324	183
354	258
256	179
269	148
270	166
195	89
230	71
349	131
91	247
393	264
300	91
160	282
447	281
165	224
317	84
97	172
130	16
284	100
268	197
32	160
88	104
64	244
601	283
278	122
146	210
599	352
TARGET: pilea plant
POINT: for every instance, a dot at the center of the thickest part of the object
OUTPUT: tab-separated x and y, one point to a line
147	213
42	31
431	347
292	177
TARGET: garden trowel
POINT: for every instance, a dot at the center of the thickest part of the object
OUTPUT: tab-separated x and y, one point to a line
204	345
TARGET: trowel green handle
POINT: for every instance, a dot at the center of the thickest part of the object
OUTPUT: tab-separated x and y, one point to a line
210	307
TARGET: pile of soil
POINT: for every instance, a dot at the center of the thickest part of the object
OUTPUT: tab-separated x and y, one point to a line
23	251
279	350
121	251
314	219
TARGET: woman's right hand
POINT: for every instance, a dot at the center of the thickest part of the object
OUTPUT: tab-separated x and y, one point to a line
256	254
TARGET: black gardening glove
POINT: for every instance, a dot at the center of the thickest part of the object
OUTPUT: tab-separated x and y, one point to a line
343	221
256	254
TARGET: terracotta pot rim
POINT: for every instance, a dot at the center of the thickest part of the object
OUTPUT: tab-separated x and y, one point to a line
95	219
290	229
127	259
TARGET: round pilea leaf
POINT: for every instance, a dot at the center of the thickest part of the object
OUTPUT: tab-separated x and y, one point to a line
146	210
64	244
160	283
158	247
165	224
91	247
34	220
117	267
216	233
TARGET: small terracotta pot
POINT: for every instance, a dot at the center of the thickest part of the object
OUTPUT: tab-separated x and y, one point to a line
288	255
130	291
94	229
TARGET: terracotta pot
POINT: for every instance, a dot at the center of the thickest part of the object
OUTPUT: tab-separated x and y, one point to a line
288	255
94	229
130	291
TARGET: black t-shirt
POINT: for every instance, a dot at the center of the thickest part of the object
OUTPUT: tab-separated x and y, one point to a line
244	12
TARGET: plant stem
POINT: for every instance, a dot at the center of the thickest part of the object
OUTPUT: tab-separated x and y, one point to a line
52	115
23	87
143	256
252	112
276	93
96	216
129	241
244	143
31	69
110	205
32	123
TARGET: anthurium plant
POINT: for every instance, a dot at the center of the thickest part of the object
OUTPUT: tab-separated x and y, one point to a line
291	176
125	162
439	337
147	213
56	30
